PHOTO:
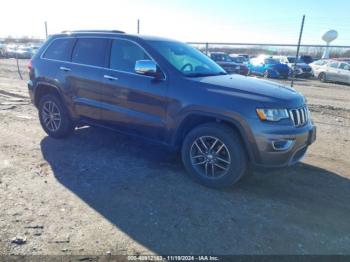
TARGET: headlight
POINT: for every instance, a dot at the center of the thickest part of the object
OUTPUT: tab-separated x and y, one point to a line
272	114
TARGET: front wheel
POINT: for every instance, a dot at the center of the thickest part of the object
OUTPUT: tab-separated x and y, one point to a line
213	154
322	77
54	117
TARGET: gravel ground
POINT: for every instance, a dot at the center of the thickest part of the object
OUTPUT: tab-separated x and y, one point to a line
99	192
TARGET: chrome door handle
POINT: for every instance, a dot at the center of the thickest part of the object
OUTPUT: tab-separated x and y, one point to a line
66	69
110	77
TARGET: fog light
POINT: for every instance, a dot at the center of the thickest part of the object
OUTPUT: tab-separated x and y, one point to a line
282	145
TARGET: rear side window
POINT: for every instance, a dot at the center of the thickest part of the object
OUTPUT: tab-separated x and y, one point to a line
334	65
124	55
90	51
344	66
60	49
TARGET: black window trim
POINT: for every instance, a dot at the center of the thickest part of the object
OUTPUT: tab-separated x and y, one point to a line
107	53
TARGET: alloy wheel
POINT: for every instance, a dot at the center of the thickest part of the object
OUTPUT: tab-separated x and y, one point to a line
210	157
51	116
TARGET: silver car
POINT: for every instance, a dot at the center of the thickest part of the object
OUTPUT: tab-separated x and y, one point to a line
319	66
334	71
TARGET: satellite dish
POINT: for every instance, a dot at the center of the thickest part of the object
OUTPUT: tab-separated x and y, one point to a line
328	37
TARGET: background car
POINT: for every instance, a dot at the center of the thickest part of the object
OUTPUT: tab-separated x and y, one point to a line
10	51
335	71
239	59
302	69
227	63
268	67
307	59
23	52
317	66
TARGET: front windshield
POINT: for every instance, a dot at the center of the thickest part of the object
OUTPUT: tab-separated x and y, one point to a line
270	61
238	59
292	60
186	59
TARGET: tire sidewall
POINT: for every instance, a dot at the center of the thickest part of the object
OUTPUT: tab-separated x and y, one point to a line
322	77
235	147
66	126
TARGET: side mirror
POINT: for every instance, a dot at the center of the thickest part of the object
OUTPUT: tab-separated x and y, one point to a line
146	67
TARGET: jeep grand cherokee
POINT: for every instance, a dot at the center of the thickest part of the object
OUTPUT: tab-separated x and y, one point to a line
169	92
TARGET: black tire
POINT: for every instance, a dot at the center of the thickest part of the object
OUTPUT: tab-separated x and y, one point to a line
65	126
322	77
233	145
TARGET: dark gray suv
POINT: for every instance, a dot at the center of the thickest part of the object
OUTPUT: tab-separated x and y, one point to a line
170	93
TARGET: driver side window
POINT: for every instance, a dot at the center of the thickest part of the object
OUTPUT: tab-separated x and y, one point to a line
124	55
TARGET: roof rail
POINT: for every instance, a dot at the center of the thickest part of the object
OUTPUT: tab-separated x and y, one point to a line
93	31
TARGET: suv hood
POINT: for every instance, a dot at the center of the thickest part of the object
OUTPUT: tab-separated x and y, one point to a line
253	88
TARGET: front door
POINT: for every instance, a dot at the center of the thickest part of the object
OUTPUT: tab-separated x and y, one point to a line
133	103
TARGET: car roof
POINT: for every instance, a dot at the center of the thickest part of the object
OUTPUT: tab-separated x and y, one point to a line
112	33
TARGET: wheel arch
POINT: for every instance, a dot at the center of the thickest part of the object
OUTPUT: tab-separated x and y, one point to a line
195	119
43	88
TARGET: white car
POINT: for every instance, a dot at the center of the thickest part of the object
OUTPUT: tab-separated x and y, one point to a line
302	69
335	71
318	66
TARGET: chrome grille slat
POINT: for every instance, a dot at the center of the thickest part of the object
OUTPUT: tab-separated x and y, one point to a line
299	116
302	115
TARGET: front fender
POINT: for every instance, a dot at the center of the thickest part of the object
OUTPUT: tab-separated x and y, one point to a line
233	119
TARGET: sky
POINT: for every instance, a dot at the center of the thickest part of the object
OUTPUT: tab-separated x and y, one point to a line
248	21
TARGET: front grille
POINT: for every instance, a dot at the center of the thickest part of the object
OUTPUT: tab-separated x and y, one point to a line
299	116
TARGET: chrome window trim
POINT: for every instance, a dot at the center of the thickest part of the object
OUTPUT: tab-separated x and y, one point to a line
99	67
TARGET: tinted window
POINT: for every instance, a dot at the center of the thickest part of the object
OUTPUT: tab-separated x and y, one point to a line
333	65
90	51
60	49
124	55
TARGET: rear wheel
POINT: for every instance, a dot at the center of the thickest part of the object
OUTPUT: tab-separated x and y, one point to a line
322	77
213	155
54	117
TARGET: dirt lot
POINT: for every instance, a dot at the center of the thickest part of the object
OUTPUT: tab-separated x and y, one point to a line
100	192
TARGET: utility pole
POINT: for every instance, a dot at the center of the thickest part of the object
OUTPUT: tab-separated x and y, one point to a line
138	26
46	29
298	49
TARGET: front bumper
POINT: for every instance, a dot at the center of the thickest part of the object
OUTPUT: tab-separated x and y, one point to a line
297	141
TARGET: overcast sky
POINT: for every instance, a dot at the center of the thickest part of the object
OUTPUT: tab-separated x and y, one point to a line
253	21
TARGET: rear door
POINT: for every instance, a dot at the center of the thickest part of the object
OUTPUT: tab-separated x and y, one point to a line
133	103
332	71
86	75
344	73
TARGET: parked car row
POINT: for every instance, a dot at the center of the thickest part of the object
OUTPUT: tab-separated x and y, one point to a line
21	52
266	66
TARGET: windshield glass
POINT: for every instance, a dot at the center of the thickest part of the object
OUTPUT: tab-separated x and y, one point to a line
221	57
270	61
186	59
238	59
292	60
